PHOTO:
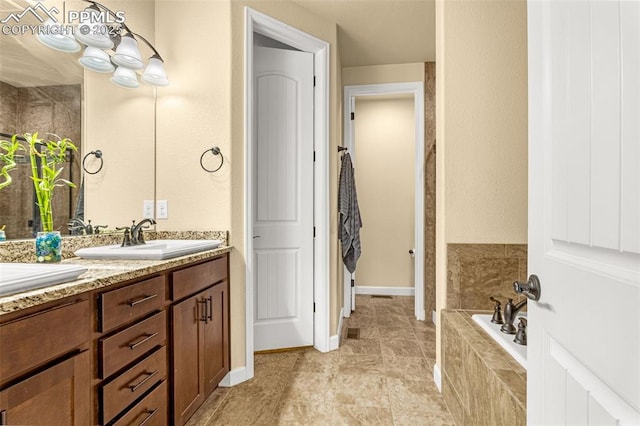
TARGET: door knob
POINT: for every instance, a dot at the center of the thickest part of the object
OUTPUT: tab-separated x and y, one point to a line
531	288
257	236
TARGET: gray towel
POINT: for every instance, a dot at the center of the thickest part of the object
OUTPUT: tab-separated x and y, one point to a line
350	220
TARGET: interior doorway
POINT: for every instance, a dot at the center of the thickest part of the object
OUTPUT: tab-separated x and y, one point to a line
416	92
257	23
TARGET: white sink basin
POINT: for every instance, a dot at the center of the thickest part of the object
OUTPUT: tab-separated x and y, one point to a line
17	277
152	250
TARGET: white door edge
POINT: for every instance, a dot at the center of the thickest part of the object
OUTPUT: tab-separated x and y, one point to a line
263	24
417	89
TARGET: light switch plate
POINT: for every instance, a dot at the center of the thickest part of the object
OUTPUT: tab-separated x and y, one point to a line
162	207
147	209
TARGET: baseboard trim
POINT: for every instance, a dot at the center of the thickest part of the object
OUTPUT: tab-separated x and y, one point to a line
437	377
234	377
334	341
385	291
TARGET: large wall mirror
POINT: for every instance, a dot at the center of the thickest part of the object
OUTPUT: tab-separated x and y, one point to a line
47	91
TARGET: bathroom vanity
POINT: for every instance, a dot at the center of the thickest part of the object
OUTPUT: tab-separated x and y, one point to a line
130	341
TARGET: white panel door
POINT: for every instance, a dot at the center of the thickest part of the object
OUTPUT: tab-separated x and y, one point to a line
283	199
584	216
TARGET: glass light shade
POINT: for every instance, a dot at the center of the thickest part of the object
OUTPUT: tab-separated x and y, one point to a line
95	59
127	54
125	77
154	73
91	31
57	37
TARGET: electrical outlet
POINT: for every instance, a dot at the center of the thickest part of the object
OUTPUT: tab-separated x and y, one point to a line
162	207
147	209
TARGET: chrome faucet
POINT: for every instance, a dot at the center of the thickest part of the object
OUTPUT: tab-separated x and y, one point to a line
137	236
510	313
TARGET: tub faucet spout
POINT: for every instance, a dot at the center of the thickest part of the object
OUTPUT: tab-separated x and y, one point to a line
510	313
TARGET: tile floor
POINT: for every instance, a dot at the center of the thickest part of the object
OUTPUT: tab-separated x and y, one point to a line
383	378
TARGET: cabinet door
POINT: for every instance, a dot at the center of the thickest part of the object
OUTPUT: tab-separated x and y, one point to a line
59	395
188	386
216	336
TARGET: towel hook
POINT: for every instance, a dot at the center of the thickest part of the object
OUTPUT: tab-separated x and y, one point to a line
215	151
98	155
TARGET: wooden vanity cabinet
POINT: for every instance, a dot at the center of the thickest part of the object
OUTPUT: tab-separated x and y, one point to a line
45	366
132	352
200	334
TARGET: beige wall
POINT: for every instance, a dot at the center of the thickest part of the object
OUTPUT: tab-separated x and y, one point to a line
385	179
380	74
120	123
481	126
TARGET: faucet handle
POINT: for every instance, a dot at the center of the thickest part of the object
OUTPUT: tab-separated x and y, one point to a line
521	335
497	313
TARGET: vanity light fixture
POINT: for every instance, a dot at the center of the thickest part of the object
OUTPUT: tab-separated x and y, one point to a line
97	60
100	41
58	37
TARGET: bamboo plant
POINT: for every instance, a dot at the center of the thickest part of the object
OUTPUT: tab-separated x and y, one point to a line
8	151
46	158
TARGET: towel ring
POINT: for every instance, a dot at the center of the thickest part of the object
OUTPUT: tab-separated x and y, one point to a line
98	155
215	151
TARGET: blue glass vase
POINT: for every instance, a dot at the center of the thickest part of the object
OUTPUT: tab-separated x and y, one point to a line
49	247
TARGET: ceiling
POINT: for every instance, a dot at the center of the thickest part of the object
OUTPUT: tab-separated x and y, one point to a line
370	32
379	32
25	62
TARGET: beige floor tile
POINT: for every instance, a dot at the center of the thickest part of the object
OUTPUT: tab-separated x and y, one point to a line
423	419
407	368
310	387
361	364
383	378
317	362
362	390
360	346
303	413
387	332
355	415
415	395
400	348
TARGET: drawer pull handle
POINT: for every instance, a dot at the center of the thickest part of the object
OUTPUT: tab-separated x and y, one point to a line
3	417
142	299
146	338
150	414
143	381
210	300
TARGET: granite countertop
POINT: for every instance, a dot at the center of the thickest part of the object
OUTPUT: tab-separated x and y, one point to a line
103	273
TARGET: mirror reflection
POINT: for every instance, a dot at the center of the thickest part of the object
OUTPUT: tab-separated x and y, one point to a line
47	91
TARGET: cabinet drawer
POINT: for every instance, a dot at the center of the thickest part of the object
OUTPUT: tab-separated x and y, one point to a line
124	347
128	303
191	280
38	338
151	411
133	383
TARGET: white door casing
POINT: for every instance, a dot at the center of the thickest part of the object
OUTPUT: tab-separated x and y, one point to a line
417	90
584	212
283	198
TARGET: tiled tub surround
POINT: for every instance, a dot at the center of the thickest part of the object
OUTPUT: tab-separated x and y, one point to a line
481	383
477	271
101	273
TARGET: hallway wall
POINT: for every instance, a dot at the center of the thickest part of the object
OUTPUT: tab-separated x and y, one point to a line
385	179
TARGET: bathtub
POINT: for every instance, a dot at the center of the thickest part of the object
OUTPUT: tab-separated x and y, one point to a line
518	352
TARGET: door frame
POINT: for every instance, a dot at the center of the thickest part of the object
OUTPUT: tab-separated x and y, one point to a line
256	22
417	89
